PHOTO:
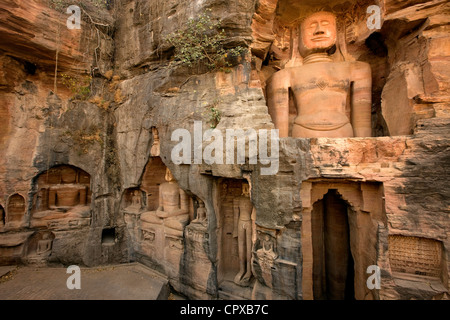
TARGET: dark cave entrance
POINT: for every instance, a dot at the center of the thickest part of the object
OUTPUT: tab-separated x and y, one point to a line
333	265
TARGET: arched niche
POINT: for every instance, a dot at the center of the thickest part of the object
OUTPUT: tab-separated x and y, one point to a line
232	244
62	198
15	210
134	199
61	188
153	177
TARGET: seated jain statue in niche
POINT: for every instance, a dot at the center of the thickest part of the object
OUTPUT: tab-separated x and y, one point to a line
333	99
173	210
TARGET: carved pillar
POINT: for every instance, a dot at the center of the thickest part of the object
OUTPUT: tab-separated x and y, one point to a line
51	198
83	198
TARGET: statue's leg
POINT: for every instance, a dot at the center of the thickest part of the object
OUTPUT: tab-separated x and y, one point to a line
241	247
248	253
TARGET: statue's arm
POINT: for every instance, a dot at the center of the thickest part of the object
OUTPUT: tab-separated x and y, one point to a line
235	217
362	100
160	200
184	201
278	101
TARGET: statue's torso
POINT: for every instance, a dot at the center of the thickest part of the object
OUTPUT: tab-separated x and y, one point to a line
245	208
170	195
321	92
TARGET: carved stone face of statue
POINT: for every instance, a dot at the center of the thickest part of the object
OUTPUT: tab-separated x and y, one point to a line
245	190
317	33
169	176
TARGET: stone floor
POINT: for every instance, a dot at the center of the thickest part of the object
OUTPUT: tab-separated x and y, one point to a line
120	282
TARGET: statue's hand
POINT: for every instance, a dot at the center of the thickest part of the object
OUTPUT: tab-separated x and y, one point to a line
161	214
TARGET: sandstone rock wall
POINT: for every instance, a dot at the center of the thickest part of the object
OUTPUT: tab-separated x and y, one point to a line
393	184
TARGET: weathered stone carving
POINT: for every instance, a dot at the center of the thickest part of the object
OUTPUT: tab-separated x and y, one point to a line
244	213
40	247
44	245
201	213
155	150
62	199
133	201
333	99
16	211
266	256
173	210
414	255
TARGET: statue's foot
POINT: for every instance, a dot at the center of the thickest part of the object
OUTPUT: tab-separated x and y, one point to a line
237	278
177	222
150	217
246	279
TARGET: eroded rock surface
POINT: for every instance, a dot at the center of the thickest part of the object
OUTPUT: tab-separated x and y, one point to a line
84	151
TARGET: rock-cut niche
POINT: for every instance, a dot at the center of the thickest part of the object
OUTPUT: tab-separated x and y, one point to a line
15	210
236	231
62	192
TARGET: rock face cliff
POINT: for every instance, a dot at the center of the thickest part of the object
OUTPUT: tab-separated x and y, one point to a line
86	150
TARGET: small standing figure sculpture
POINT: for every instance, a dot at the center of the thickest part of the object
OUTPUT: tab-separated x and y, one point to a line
243	226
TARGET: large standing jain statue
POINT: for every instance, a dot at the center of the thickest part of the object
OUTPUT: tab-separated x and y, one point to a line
333	99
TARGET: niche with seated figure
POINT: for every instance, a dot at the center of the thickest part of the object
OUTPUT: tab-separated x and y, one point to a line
15	210
63	192
153	177
134	200
159	227
40	247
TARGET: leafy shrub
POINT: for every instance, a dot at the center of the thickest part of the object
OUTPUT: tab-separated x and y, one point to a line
202	41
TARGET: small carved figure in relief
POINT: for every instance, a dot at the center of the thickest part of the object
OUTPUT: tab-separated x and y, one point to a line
333	99
243	226
201	213
44	245
136	199
266	253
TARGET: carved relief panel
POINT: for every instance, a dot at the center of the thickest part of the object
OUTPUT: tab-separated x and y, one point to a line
62	199
62	187
414	255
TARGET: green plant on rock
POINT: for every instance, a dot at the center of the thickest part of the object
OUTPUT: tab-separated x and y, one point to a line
213	114
62	5
215	117
202	41
80	88
84	139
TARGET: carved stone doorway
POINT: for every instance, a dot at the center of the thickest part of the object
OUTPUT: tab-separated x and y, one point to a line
333	264
340	227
